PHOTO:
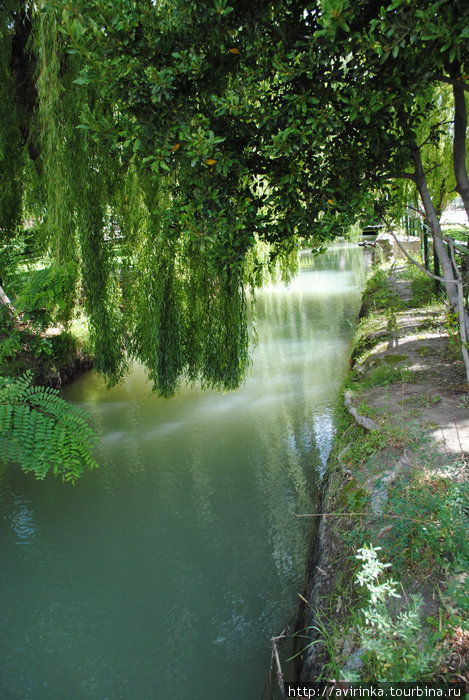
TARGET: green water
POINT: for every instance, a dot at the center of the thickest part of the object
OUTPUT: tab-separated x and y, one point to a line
164	573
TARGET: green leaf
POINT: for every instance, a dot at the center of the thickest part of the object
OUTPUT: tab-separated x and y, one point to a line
82	80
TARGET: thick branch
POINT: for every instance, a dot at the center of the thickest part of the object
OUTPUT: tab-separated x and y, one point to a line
452	81
435	228
442	198
439	248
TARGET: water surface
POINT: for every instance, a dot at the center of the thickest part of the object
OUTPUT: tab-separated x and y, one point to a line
165	572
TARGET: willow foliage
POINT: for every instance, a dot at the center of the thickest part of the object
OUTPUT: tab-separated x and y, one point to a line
11	154
188	318
78	180
161	256
171	180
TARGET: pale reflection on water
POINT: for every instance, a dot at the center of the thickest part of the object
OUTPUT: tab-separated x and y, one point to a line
22	521
166	572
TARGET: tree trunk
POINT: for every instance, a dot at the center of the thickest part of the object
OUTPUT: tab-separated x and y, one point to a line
459	158
459	146
439	247
5	301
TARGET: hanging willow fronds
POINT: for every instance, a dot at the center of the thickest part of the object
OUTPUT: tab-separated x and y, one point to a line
159	257
11	152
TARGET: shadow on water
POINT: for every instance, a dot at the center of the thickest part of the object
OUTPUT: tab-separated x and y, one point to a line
165	572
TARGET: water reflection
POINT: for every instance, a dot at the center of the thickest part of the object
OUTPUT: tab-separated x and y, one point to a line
179	558
22	522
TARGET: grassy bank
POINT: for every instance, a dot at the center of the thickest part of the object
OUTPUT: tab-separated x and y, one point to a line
41	337
390	591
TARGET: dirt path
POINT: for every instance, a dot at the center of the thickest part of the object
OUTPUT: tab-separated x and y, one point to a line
402	447
436	394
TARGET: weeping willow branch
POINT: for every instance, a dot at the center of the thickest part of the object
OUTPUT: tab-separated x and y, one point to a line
160	263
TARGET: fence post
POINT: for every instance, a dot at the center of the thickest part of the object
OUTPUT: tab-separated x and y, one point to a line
437	271
426	254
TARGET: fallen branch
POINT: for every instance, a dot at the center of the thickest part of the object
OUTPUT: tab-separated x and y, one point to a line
366	423
279	668
276	659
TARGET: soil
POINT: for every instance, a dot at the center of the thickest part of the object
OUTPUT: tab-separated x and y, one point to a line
436	397
65	373
65	363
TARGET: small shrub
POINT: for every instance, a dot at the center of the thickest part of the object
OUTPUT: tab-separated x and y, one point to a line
9	346
423	290
393	644
383	375
452	328
442	540
378	294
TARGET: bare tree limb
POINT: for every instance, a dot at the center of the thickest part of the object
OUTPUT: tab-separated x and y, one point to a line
459	147
434	167
276	661
433	130
420	212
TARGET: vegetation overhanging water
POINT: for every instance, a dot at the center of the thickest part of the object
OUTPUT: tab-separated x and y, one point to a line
169	568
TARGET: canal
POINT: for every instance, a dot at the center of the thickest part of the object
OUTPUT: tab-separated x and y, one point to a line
165	572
